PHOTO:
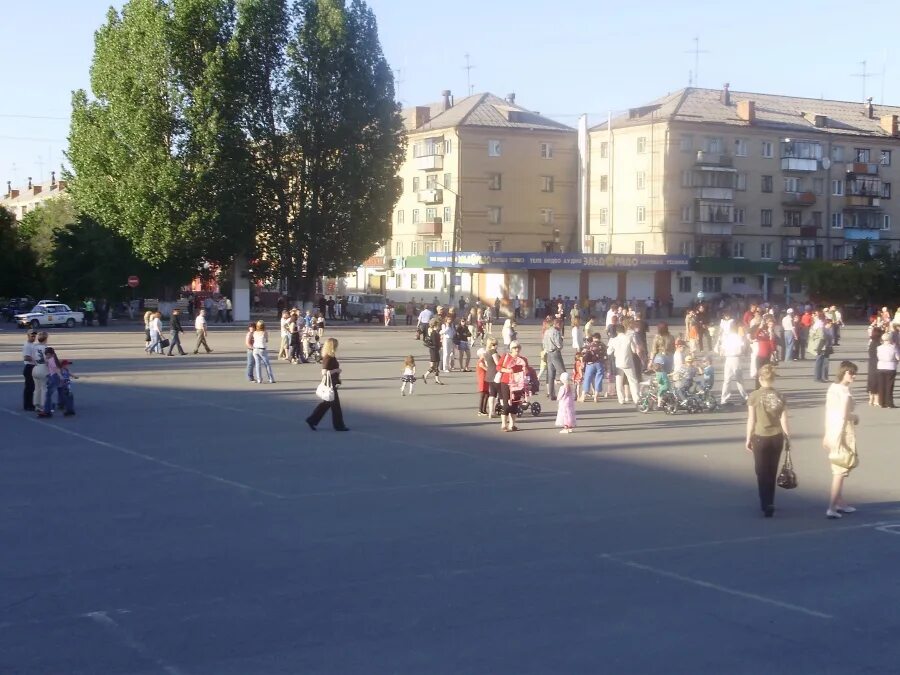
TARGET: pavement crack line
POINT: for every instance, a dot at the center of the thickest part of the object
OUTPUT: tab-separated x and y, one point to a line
132	642
716	587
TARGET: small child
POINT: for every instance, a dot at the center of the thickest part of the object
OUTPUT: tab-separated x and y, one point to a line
678	357
663	384
409	375
565	399
66	397
685	378
483	387
578	373
709	374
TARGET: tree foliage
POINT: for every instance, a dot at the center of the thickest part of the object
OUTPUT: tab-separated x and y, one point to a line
40	226
18	263
865	277
219	127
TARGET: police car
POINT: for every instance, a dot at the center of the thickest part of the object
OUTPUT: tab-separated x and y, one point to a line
44	315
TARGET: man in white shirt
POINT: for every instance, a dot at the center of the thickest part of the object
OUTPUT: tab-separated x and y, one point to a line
28	360
424	318
622	349
733	346
611	312
200	326
790	334
285	335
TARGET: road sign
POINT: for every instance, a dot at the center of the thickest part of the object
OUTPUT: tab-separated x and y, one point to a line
133	281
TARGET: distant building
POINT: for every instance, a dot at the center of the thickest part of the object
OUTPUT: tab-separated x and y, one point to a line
748	185
20	201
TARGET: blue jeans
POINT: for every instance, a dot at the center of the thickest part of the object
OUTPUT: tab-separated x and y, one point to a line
821	372
52	386
251	364
155	342
261	357
788	346
593	377
66	398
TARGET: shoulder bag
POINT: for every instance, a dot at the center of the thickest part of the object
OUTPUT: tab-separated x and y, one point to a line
844	453
787	479
325	390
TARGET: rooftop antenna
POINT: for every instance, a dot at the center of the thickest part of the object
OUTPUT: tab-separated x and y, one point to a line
696	51
883	72
865	75
690	78
468	68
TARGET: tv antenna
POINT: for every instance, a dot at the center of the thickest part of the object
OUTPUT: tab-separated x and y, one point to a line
468	68
696	51
864	75
398	80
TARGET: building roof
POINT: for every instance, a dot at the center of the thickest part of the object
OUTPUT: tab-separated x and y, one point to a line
27	197
482	110
772	111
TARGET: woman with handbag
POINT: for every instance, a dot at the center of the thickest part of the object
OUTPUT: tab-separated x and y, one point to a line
840	437
767	433
328	389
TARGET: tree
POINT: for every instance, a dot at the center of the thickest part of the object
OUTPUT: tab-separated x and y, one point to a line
39	227
17	260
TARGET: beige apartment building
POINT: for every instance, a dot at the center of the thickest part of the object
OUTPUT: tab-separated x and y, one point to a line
747	185
483	179
22	200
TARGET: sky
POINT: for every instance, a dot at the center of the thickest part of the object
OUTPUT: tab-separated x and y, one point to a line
560	58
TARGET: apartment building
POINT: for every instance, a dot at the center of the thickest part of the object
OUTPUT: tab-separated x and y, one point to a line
484	179
748	185
22	200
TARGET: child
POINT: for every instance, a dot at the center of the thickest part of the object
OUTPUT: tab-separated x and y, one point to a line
685	378
481	378
663	384
578	373
709	374
543	369
565	398
66	397
678	357
409	375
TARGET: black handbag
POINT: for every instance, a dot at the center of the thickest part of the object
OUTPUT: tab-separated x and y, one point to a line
787	479
164	343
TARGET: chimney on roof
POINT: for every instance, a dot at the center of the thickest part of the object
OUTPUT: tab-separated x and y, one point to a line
29	182
62	185
870	109
726	95
889	124
446	95
746	110
423	115
36	190
52	180
511	98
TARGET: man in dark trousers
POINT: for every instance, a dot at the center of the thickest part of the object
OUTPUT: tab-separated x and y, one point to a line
175	332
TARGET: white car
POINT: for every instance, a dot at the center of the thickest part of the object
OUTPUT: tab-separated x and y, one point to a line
42	316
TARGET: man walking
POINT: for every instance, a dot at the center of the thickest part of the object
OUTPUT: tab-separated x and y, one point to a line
552	345
790	335
733	347
175	331
28	359
200	326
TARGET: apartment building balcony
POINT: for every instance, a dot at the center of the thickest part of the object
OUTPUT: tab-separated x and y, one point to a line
430	228
809	230
712	229
713	247
430	196
862	168
433	162
715	193
799	199
714	161
801	164
862	201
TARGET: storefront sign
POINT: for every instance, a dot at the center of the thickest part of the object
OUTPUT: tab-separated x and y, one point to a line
569	261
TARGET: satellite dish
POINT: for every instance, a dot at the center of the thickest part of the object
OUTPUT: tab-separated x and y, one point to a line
826	163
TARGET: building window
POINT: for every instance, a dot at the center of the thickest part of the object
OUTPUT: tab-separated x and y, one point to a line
546	183
862	155
414	281
712	284
837	220
548	246
398	249
737	249
495	181
448	146
765	251
493	148
741	181
641	144
546	216
601	247
766	149
430	214
817	219
685	248
686	143
684	284
494	215
819	186
792	184
400	217
429	247
494	245
885	158
414	248
641	180
740	147
837	153
837	252
886	221
886	190
448	181
415	184
604	183
445	246
447	214
603	216
639	248
738	280
641	214
739	215
415	216
431	182
686	178
765	218
714	144
429	281
546	151
837	187
766	183
687	214
792	218
604	150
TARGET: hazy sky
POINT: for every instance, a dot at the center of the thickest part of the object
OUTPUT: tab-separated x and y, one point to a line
561	58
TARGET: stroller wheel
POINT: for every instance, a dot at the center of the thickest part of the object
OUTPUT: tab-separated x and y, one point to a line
535	409
643	404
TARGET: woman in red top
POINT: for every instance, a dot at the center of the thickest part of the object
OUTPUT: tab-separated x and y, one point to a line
512	371
765	346
481	378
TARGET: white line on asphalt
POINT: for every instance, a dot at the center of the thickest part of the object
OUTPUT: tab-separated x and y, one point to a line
716	587
130	641
890	529
146	458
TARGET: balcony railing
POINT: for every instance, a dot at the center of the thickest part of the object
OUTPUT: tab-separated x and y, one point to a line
705	158
714	229
863	168
863	201
430	196
430	162
799	164
430	228
809	230
718	193
799	198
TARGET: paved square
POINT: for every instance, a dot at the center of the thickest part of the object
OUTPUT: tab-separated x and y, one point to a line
188	522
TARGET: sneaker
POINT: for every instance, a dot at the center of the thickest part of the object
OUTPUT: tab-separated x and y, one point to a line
832	515
845	509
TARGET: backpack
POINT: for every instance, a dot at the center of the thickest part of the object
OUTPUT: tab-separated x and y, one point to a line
427	341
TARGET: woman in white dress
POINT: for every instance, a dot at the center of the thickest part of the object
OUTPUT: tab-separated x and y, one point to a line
577	334
840	437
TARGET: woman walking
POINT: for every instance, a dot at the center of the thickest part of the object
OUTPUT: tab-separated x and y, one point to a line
492	377
248	343
510	367
565	398
840	437
887	370
875	335
261	352
432	340
155	325
39	373
767	432
331	367
446	334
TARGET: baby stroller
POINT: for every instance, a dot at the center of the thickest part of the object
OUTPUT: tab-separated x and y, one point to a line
315	351
523	387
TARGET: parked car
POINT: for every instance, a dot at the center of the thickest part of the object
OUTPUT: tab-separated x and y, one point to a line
366	306
43	316
16	306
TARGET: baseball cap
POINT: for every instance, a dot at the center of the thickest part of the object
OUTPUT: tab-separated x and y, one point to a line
790	311
65	362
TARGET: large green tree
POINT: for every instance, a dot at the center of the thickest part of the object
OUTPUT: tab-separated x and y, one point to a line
258	127
17	260
40	226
